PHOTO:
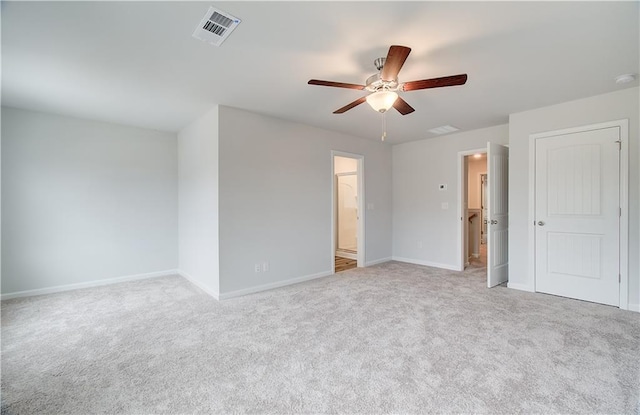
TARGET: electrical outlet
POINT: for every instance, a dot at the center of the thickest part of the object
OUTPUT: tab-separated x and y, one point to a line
258	268
265	267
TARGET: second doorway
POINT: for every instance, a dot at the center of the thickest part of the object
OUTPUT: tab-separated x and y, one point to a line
347	214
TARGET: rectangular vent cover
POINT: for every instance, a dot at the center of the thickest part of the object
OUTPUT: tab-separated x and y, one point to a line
216	26
445	129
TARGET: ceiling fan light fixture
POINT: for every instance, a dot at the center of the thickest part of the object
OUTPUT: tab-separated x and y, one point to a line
381	101
384	84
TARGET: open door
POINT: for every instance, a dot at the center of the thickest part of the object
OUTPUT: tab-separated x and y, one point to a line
498	214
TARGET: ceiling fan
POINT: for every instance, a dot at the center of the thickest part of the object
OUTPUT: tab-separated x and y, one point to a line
384	85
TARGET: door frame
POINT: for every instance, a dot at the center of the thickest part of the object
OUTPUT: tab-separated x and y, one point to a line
361	211
623	231
462	198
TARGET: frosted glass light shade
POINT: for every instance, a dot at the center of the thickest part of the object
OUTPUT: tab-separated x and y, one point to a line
381	101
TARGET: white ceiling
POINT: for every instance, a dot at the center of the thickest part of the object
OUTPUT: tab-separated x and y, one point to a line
136	63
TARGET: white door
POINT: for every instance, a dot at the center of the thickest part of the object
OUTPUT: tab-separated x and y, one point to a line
498	214
577	215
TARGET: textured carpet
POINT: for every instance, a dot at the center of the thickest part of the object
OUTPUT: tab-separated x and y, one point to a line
394	338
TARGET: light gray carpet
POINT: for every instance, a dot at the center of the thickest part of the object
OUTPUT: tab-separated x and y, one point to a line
395	338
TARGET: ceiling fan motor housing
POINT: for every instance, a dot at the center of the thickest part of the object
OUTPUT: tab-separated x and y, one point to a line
375	83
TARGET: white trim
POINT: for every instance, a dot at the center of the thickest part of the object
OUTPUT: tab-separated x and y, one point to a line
88	284
623	125
634	307
462	197
361	253
272	285
426	263
521	287
377	261
624	217
532	214
198	284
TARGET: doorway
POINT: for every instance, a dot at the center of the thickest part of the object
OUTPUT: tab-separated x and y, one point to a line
347	195
475	225
495	167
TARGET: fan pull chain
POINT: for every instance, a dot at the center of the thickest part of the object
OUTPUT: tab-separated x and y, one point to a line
384	126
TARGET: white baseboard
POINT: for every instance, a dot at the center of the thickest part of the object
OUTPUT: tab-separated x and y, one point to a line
377	261
270	286
426	263
88	284
634	307
198	284
521	287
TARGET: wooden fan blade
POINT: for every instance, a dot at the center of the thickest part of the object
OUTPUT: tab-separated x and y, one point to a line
335	84
402	106
351	105
395	59
435	82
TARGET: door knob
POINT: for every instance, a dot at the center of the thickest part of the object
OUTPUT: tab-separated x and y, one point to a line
494	222
540	223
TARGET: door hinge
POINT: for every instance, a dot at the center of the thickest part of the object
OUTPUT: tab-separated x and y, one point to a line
619	144
619	212
619	278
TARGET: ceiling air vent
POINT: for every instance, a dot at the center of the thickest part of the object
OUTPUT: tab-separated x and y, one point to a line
445	129
216	26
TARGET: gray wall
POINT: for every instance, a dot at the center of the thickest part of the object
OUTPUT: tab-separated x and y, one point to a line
608	107
423	232
275	198
198	201
84	201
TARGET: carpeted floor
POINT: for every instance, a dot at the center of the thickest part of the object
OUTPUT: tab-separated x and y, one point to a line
394	338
